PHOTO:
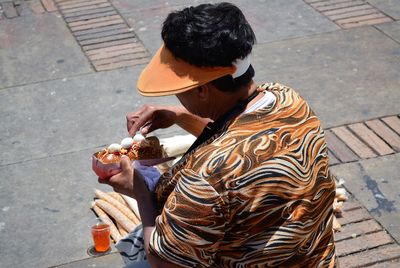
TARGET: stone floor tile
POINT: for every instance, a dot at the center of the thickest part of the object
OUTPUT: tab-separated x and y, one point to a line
392	29
390	7
61	116
31	51
341	74
376	185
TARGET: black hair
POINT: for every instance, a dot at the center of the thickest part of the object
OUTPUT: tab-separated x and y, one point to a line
211	35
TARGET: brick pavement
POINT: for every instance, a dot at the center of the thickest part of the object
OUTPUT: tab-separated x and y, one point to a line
362	241
110	34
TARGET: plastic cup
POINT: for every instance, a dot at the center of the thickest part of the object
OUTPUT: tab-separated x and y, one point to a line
101	236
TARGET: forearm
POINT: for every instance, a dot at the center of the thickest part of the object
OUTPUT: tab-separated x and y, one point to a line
191	123
148	213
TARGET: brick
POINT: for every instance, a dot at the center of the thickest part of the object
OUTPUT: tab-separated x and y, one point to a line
112	48
98	24
351	204
346	10
85	8
109	44
387	134
363	242
91	16
355	13
120	58
366	22
68	2
49	5
340	5
36	6
354	143
372	256
107	39
358	229
103	34
99	29
115	53
317	4
362	18
354	216
88	12
121	64
393	122
95	20
9	10
341	151
80	4
370	138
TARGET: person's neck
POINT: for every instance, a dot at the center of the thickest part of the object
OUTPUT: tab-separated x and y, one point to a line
226	101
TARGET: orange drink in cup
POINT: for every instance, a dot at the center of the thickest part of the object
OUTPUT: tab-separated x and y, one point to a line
101	236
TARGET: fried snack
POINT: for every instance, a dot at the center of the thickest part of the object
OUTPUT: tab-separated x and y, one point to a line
117	215
121	230
135	149
118	197
125	210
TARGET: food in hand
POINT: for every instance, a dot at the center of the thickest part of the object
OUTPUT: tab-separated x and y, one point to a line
137	148
106	163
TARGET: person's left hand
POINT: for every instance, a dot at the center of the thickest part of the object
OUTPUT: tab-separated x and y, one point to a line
128	182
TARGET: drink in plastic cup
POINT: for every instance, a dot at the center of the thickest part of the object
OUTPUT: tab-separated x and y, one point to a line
101	236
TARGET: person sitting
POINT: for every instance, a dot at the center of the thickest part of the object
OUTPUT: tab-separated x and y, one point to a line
254	190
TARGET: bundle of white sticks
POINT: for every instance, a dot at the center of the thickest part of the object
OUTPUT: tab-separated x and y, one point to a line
119	211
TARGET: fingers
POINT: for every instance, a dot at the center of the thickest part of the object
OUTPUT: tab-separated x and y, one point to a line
138	119
126	165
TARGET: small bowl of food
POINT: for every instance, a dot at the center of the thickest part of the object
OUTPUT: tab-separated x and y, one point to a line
148	151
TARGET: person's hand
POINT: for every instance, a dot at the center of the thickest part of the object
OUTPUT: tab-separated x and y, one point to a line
149	118
128	182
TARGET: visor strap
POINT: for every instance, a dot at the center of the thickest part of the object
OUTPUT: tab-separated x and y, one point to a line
241	66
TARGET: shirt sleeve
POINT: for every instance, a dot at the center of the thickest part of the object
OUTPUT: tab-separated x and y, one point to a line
191	223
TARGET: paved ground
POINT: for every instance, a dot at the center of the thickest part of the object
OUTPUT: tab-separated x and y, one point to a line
56	109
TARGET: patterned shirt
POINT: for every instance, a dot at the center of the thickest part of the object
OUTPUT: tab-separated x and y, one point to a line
256	194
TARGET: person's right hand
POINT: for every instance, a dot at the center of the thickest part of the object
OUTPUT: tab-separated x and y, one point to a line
149	118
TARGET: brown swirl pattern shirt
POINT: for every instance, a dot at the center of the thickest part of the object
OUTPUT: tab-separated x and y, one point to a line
257	194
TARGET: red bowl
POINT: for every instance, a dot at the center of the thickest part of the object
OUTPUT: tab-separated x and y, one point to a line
104	170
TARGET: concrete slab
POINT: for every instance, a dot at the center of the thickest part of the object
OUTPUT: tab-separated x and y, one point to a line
271	19
274	20
347	76
56	117
32	50
127	6
107	261
390	7
375	182
392	29
45	210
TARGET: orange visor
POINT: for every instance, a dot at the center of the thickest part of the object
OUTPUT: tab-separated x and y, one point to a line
168	75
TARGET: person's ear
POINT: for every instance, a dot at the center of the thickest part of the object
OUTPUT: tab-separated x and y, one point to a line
203	92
